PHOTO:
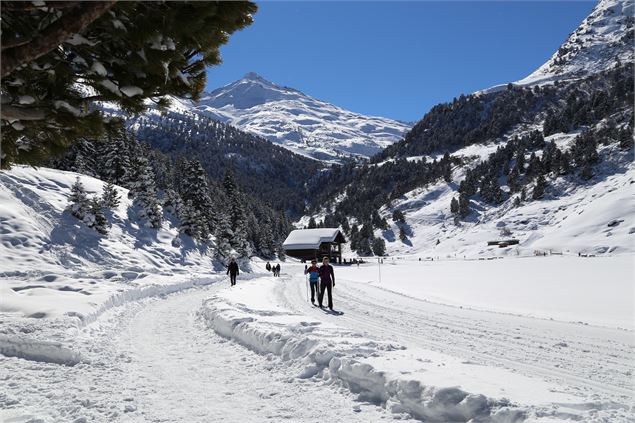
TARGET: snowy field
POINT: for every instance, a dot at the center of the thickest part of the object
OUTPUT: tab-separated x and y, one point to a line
440	351
134	328
594	290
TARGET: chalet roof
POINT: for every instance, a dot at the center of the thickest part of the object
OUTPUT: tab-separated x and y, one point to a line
310	239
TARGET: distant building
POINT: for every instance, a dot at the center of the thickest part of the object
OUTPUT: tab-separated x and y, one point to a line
308	244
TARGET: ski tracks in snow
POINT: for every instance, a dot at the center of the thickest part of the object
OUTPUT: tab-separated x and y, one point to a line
587	361
152	361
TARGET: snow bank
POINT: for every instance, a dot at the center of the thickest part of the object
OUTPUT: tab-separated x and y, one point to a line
35	350
248	315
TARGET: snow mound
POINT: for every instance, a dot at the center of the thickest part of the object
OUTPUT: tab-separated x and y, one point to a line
34	350
248	315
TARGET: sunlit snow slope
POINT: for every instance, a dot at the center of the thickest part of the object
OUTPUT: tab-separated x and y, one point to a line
299	122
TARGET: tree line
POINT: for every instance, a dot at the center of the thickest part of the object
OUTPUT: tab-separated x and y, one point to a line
215	213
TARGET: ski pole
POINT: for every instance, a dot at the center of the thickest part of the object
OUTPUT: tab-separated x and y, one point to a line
306	278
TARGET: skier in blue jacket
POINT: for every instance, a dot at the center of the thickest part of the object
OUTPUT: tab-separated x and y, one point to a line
314	274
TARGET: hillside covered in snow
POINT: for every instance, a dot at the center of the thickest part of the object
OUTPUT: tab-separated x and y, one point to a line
602	39
288	118
297	121
546	163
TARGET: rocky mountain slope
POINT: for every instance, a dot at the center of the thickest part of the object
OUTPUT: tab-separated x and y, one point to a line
604	38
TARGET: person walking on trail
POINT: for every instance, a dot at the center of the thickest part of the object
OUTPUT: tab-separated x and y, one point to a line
232	271
268	267
327	282
278	270
314	274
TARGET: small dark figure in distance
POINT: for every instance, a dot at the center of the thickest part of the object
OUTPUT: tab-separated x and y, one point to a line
277	270
232	271
314	274
327	279
268	267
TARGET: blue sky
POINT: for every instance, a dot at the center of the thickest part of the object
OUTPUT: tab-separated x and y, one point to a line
397	59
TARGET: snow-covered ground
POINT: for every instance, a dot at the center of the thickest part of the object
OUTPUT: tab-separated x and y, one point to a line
420	344
596	291
134	327
54	266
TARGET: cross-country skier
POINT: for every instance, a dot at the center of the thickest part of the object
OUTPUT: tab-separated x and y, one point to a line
327	281
314	274
268	267
232	271
277	272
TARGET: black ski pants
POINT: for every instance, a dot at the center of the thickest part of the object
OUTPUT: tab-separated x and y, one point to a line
232	279
326	286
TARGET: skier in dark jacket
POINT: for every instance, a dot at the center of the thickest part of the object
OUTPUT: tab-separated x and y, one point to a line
327	279
278	269
268	267
232	271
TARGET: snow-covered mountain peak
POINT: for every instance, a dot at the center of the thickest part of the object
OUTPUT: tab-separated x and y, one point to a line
249	91
602	39
297	121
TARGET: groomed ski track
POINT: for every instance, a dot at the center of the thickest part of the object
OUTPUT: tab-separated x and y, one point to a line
579	356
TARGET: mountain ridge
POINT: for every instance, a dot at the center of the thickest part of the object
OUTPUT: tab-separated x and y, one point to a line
507	161
297	121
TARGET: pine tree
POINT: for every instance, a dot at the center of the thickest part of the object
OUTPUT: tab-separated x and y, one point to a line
143	189
398	216
237	215
189	221
464	204
454	207
115	152
110	196
83	162
354	237
364	247
172	202
587	172
402	235
496	192
625	137
195	189
446	165
312	224
78	201
379	246
126	53
98	219
224	236
539	188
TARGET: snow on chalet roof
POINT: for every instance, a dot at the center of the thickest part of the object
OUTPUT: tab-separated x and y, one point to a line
309	239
